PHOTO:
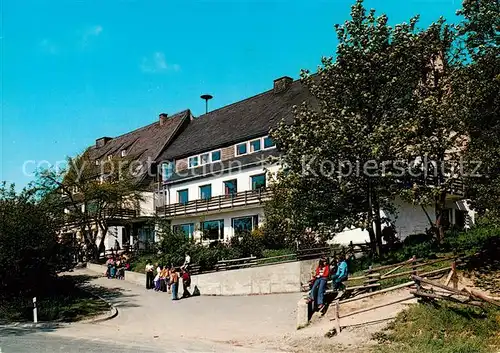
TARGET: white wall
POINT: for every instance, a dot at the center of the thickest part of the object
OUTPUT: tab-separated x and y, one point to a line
243	178
410	219
226	216
146	205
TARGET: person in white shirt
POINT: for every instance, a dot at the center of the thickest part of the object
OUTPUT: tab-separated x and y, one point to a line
187	260
149	276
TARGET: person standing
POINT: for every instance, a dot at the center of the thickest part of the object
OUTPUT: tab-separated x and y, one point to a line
186	283
174	282
149	276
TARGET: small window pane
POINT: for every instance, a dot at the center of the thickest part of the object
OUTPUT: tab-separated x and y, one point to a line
268	142
205	158
205	192
183	196
215	156
241	149
193	162
255	145
258	181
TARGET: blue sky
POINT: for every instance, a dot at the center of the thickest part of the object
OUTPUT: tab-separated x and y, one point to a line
76	70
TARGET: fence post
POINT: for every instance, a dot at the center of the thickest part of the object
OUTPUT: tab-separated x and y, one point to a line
414	263
337	317
35	314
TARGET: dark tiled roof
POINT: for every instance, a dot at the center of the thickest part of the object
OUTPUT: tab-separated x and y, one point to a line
234	164
145	143
236	122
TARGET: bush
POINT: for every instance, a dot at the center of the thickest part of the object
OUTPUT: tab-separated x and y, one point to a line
471	240
248	244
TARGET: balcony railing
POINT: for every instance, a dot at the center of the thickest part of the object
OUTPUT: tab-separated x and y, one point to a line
244	198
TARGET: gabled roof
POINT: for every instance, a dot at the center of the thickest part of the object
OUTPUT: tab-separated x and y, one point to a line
144	144
239	121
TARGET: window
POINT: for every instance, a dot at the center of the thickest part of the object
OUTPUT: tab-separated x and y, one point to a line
167	169
213	230
109	157
124	153
255	145
182	196
258	181
205	158
193	162
96	162
216	156
268	142
205	192
187	229
242	225
230	187
241	149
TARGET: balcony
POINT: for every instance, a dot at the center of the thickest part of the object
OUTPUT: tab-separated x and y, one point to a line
216	203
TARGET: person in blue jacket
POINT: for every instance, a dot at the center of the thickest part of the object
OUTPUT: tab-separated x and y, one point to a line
341	274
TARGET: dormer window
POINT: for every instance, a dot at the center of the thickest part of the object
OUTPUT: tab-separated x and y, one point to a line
193	162
268	142
255	145
204	158
109	157
96	162
124	153
241	149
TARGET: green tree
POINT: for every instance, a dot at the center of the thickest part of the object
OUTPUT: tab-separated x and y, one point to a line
336	174
479	92
29	248
92	194
436	138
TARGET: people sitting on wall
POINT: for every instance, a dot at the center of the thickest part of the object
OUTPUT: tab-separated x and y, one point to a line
320	279
109	265
187	261
340	275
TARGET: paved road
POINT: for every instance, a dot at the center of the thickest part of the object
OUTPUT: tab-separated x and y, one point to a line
152	322
40	341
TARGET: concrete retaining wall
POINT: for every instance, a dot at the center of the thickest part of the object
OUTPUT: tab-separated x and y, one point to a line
280	278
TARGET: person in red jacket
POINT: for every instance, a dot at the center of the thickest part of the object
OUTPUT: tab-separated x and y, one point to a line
320	279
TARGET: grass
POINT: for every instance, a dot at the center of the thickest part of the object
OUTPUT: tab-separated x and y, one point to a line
441	328
61	300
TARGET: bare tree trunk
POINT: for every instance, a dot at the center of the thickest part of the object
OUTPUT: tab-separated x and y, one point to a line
439	226
371	221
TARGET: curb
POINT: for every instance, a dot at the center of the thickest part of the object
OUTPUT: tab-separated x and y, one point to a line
111	314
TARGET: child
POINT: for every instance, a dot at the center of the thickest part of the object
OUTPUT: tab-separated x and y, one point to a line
174	282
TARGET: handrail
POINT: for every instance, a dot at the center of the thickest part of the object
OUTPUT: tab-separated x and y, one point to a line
216	202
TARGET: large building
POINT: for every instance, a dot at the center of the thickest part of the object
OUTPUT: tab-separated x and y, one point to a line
209	175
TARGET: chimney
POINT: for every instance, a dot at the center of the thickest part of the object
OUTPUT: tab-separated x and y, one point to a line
163	118
100	142
282	84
